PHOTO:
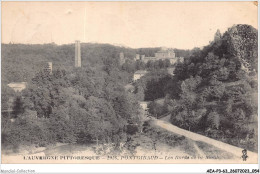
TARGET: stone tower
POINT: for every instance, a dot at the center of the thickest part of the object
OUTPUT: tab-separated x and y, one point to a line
121	58
77	54
48	67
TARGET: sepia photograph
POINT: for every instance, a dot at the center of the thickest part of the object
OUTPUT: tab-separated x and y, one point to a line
129	82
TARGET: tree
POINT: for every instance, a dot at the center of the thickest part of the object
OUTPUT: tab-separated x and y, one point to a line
216	92
239	114
167	63
214	120
6	94
140	93
60	125
217	78
18	107
155	109
161	63
217	36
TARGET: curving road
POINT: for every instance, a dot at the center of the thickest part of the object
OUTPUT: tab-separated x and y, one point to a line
236	151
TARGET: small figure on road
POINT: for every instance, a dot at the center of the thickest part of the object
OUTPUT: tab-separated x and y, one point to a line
244	156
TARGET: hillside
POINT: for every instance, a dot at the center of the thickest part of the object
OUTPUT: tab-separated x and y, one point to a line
217	87
21	62
211	93
69	105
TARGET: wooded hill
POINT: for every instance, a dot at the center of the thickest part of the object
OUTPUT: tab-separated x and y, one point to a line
217	86
20	62
211	93
82	105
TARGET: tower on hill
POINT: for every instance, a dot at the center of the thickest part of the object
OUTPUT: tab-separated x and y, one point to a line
121	58
77	54
47	68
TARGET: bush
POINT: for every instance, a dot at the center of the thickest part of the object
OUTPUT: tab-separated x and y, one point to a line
27	132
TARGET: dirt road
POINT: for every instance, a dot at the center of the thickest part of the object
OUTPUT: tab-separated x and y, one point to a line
236	151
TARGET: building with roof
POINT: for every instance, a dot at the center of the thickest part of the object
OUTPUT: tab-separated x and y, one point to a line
137	57
163	54
138	74
144	105
17	86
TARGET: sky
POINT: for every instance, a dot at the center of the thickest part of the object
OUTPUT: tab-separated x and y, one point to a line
182	25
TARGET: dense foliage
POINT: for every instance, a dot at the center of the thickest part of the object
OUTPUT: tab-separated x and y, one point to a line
218	85
154	85
78	106
21	62
212	92
82	105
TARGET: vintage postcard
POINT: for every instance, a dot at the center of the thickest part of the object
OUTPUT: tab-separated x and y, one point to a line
129	82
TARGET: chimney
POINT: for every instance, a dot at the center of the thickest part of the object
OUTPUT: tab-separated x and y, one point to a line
77	54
